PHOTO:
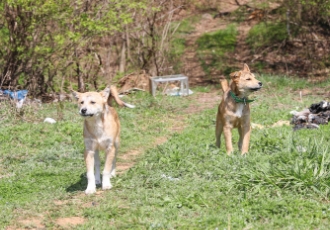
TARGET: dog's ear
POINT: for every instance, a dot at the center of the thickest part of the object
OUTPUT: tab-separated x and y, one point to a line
246	68
75	94
105	93
235	75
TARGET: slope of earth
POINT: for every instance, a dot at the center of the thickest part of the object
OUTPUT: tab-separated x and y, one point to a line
276	56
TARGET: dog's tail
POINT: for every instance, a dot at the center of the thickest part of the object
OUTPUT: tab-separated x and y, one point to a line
224	84
114	95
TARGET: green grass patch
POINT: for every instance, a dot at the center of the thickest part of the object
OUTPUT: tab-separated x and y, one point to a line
213	49
204	89
279	84
185	26
185	183
42	161
221	41
266	34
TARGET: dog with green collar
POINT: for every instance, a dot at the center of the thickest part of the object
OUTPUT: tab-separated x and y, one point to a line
234	109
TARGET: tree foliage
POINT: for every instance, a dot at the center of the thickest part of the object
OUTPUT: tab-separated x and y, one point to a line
44	41
49	46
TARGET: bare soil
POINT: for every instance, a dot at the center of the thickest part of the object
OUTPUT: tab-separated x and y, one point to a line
69	221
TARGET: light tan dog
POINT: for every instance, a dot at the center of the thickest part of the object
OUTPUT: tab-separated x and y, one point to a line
234	109
101	132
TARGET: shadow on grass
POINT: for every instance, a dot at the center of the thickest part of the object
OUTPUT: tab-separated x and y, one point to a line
79	185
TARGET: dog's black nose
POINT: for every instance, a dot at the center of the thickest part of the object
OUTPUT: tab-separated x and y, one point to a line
83	111
260	83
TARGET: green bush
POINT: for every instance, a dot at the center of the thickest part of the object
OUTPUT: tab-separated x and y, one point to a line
265	34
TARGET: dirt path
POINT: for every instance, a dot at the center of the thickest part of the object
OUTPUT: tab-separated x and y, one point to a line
191	63
209	24
199	102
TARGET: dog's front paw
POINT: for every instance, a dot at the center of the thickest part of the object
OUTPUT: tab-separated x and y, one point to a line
113	173
90	190
106	186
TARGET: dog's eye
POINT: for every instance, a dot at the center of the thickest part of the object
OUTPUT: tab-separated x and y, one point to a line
92	102
82	102
248	79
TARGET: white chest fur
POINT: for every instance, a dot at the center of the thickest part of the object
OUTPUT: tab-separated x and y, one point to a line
239	110
95	135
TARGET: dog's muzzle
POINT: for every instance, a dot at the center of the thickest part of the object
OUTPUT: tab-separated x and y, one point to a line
83	112
257	88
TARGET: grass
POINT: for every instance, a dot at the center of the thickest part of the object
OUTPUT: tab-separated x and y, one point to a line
213	47
185	183
265	34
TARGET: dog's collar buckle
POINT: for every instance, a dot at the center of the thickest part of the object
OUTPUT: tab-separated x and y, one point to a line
240	100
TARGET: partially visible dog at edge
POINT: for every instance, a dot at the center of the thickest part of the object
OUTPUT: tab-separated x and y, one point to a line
101	132
234	109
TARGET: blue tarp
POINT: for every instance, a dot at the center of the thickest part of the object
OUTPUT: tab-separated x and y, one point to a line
18	95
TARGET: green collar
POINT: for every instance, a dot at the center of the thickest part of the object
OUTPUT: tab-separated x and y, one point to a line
238	99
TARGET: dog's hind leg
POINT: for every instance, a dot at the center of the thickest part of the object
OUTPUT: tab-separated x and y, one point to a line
89	159
110	156
218	132
97	164
113	167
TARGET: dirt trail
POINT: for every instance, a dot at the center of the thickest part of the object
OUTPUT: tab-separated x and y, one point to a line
199	102
209	24
191	63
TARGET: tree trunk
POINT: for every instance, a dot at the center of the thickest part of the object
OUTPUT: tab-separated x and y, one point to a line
122	63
